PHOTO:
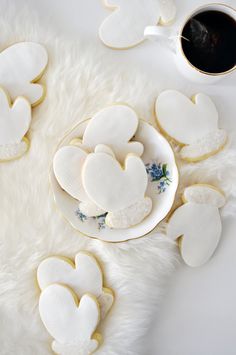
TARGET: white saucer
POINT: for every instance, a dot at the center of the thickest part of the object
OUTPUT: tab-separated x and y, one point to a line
162	192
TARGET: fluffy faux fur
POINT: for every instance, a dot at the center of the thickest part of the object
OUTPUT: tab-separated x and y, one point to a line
80	80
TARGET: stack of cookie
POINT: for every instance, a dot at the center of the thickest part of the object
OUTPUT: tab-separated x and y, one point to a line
73	302
104	170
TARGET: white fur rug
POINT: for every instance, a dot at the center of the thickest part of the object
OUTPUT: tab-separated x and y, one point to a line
80	80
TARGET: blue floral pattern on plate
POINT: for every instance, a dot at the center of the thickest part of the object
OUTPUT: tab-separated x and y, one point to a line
80	215
100	219
159	172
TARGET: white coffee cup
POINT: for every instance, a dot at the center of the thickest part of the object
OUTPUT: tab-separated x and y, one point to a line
174	35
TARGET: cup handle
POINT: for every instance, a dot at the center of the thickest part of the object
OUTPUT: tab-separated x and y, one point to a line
158	33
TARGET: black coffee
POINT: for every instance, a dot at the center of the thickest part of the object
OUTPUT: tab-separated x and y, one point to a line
209	41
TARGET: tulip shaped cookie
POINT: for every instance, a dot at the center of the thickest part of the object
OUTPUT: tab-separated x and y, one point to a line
85	276
114	126
124	28
110	186
67	167
14	123
197	223
21	66
192	123
70	322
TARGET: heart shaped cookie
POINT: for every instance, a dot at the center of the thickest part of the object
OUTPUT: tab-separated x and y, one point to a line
110	186
197	223
21	65
67	167
124	28
15	120
70	322
191	123
85	276
114	126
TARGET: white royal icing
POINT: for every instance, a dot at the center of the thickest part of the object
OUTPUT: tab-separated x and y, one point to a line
204	147
131	215
185	120
21	65
110	186
124	27
70	323
67	167
190	122
199	226
14	120
85	276
203	193
114	126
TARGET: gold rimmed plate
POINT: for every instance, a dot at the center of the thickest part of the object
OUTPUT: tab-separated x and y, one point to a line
162	185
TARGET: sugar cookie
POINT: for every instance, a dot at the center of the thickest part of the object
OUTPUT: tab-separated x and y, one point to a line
70	322
130	216
190	123
204	193
197	223
209	145
102	148
21	65
67	166
124	28
15	120
85	276
114	126
111	187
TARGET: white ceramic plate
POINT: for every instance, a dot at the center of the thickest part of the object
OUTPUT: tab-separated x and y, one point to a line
163	182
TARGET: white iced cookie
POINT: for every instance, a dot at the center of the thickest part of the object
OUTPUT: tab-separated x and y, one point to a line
129	216
204	193
192	123
71	323
21	66
102	148
15	120
83	276
110	186
124	28
197	223
114	126
67	167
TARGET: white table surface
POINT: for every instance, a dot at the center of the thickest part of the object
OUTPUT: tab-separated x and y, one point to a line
198	315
